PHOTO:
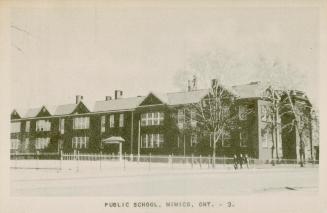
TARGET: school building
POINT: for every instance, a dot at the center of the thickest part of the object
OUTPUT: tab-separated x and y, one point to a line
155	124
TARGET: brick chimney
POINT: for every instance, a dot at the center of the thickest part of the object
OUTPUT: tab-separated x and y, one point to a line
79	98
214	83
194	83
118	94
108	98
189	86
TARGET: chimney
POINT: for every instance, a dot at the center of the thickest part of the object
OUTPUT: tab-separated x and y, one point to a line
214	83
108	98
118	94
194	83
79	98
188	85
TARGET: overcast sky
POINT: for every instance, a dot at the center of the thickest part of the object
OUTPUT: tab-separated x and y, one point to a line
58	53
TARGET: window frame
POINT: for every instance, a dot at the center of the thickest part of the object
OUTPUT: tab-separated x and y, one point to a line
81	122
103	124
27	126
14	125
121	120
111	120
80	142
43	125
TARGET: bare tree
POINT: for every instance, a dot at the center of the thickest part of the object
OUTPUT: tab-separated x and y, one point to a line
297	105
285	100
216	113
274	97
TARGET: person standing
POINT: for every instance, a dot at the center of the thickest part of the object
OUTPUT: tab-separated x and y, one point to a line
241	161
235	161
246	160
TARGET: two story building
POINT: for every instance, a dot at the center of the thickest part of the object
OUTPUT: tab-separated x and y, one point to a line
155	123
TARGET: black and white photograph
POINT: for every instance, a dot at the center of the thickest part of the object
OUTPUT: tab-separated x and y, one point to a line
164	106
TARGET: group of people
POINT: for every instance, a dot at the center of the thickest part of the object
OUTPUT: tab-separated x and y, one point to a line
240	160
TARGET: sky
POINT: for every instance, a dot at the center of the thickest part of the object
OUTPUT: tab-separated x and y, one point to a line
58	53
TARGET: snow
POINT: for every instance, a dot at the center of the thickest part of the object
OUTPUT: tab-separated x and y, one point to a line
87	178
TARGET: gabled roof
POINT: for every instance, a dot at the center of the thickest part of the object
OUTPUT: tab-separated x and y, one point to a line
65	109
15	115
178	98
117	104
32	112
251	90
154	98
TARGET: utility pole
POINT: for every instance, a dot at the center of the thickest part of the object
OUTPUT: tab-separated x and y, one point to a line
139	139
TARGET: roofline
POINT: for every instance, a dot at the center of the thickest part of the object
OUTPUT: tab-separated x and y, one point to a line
152	105
73	115
135	97
187	91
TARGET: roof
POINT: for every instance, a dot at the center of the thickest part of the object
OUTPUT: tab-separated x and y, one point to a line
114	139
65	109
251	90
33	112
117	104
178	98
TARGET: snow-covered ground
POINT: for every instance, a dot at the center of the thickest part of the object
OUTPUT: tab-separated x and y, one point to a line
141	179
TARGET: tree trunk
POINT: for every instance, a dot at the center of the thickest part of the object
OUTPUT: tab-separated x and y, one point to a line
214	153
301	152
276	132
273	146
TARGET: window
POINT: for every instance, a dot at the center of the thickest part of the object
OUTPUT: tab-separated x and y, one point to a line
121	120
62	125
264	113
194	139
80	142
15	127
27	126
193	118
161	117
41	143
112	121
242	110
143	119
144	141
180	118
81	123
152	140
152	118
226	111
43	125
155	119
243	138
265	138
226	142
14	143
103	123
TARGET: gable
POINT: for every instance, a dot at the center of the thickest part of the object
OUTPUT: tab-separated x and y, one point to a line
80	109
43	112
151	99
14	115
